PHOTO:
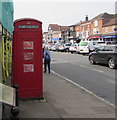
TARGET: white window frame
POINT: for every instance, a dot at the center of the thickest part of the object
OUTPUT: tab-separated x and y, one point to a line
106	29
95	23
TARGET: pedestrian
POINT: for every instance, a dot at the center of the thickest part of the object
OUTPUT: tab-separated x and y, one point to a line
43	50
47	60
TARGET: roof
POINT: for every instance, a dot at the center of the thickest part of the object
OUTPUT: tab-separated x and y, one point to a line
64	28
104	15
25	19
109	22
56	27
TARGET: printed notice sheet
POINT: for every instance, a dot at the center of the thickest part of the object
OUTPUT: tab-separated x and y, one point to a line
7	95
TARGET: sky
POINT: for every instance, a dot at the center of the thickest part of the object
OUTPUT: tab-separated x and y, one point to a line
61	12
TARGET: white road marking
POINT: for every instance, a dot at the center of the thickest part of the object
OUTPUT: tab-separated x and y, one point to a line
84	89
92	69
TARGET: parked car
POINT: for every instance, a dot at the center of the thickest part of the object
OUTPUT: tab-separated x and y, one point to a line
74	48
66	47
86	47
49	46
62	48
105	55
99	44
57	47
53	47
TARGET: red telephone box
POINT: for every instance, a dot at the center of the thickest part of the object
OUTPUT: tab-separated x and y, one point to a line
27	57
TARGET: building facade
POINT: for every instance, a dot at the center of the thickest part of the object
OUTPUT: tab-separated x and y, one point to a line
56	33
102	27
97	24
6	32
109	30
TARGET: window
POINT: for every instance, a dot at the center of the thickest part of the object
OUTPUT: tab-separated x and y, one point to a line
95	30
106	48
106	29
114	29
101	48
95	23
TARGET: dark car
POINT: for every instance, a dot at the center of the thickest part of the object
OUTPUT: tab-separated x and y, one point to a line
106	54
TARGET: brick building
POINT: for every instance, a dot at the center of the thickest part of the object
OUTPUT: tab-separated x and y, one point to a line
102	27
97	24
109	30
55	33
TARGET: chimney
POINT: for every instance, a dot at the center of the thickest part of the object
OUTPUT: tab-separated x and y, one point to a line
86	18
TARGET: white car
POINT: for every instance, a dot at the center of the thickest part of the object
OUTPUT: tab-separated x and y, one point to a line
74	48
53	48
86	47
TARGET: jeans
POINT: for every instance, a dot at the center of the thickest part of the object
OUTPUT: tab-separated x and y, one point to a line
46	64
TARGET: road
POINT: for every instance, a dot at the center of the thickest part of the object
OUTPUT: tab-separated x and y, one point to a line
98	79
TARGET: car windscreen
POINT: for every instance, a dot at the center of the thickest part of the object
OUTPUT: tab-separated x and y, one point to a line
83	43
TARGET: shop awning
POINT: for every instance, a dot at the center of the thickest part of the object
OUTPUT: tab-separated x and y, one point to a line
94	37
56	39
110	36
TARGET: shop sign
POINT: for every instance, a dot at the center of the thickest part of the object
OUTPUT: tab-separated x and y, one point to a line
7	95
113	36
56	39
94	37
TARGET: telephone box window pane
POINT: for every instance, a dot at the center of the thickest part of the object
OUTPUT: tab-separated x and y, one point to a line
28	26
28	56
28	68
28	45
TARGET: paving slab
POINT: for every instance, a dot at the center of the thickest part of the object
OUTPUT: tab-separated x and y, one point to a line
64	100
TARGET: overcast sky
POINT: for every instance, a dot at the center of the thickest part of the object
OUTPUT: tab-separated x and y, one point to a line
62	12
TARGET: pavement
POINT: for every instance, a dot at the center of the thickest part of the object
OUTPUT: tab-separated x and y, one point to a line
62	99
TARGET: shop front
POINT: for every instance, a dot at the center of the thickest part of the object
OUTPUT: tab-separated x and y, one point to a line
109	38
56	40
94	38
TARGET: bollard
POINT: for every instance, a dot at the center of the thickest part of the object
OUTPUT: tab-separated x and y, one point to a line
17	97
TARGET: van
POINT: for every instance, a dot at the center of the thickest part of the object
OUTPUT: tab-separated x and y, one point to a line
86	47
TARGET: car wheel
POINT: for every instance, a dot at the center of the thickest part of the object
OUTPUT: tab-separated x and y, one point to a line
91	59
111	63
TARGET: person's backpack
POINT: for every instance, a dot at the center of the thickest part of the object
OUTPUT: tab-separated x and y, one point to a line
47	57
